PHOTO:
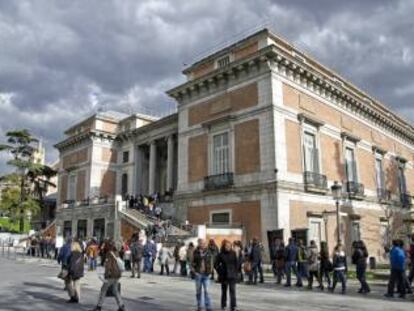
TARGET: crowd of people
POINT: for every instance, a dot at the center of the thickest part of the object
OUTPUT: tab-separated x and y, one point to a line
41	246
229	264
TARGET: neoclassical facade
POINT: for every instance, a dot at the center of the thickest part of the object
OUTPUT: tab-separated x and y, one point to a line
261	134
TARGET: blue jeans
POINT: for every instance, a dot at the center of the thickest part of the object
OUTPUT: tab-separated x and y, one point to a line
147	264
202	282
291	265
339	275
92	263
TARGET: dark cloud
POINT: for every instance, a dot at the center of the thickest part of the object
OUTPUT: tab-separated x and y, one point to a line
58	58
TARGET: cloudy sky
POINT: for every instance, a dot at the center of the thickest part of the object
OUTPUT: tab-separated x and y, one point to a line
62	60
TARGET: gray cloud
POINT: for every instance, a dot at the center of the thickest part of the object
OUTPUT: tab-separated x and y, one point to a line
57	58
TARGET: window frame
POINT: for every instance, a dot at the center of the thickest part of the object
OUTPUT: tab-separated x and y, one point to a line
353	147
125	152
315	131
71	176
221	211
230	137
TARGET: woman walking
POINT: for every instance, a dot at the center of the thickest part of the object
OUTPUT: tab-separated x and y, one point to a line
340	268
75	272
313	262
359	259
112	276
326	265
226	265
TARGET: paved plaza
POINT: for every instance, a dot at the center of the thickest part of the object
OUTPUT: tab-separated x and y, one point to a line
31	284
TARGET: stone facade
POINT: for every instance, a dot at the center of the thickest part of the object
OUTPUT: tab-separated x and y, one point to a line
261	134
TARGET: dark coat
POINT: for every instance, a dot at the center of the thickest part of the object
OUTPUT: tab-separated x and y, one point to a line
255	254
76	265
199	256
226	265
359	257
137	250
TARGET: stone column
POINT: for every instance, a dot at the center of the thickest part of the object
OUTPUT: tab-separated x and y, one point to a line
170	162
152	167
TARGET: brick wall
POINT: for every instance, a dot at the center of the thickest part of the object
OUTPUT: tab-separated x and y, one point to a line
74	158
197	158
246	51
332	159
63	189
80	185
127	230
108	182
109	155
247	214
293	148
247	147
222	105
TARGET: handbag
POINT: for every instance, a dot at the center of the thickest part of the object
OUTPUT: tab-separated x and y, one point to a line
247	267
120	263
63	274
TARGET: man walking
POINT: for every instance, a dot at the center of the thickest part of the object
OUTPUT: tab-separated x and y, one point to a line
137	251
397	260
291	261
201	268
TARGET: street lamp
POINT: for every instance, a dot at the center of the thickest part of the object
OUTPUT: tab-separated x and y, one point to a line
337	195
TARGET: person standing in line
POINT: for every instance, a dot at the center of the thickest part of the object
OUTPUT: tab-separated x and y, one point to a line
64	255
340	268
226	265
214	250
92	254
164	257
112	276
291	261
255	257
238	249
313	263
75	272
302	263
137	251
325	265
411	256
397	261
359	259
201	269
148	252
176	258
182	255
190	254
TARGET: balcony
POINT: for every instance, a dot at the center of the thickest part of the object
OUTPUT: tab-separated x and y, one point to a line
355	190
315	182
220	181
405	199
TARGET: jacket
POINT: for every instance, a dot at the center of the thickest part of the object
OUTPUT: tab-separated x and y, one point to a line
226	265
313	258
359	257
201	262
64	254
111	267
397	258
92	251
339	261
137	250
76	265
164	255
291	253
182	253
255	255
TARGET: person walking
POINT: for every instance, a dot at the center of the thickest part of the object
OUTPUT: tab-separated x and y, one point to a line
238	249
176	257
164	257
397	261
190	253
75	272
63	259
214	250
291	261
325	265
137	251
411	256
226	265
148	253
359	259
112	275
201	269
313	264
340	268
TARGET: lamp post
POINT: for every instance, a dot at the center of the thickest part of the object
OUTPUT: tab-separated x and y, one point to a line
325	216
337	195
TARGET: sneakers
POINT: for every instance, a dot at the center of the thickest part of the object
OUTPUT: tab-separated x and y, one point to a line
72	300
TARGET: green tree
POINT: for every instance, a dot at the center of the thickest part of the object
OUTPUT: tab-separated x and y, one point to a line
29	176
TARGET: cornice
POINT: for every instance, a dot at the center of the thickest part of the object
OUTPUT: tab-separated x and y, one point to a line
77	139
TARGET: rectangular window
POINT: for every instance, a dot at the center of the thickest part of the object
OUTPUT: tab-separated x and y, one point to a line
379	173
223	62
125	157
402	184
222	218
350	165
311	153
315	230
221	154
72	187
355	231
